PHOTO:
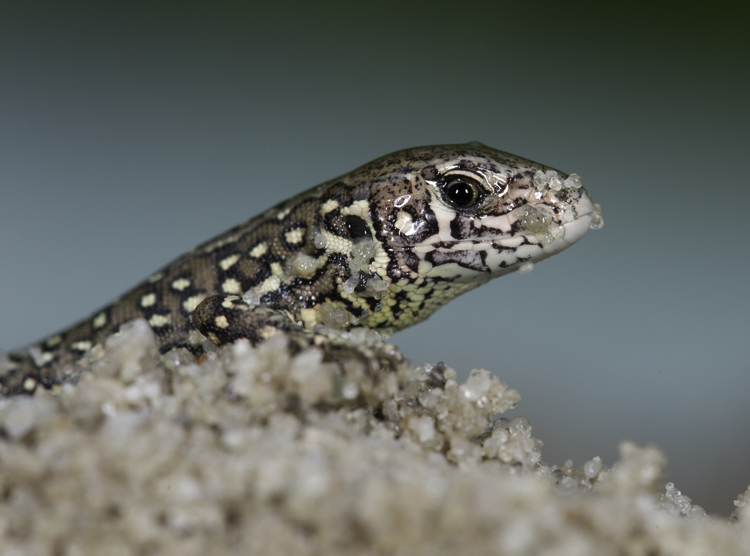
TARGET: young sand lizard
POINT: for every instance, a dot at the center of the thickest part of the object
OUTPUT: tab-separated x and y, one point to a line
382	247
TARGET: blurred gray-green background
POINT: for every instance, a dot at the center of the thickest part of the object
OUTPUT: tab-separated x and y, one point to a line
129	133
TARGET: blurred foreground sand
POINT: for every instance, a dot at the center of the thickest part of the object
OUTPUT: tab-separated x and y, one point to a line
255	451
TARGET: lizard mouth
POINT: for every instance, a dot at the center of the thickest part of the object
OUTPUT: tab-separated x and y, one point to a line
538	224
586	216
538	232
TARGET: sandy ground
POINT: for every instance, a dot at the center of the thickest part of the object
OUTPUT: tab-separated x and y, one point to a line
258	451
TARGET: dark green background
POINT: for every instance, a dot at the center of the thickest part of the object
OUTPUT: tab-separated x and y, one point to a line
130	133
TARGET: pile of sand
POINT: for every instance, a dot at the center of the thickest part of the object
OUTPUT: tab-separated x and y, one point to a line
256	451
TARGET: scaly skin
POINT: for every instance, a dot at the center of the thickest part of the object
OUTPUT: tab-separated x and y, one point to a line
382	247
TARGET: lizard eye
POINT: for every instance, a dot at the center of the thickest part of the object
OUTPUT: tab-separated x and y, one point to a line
461	191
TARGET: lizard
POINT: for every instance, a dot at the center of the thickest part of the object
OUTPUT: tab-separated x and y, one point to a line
381	247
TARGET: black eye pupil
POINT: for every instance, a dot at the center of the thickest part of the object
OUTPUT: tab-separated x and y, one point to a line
460	193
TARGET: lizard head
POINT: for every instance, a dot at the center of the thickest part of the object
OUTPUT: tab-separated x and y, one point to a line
428	224
468	213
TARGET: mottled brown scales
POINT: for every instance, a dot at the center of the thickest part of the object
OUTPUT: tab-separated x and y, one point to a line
382	247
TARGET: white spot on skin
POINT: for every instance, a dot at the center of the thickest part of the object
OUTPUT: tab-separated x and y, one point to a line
259	250
29	384
228	303
229	262
221	322
404	221
284	213
99	320
295	236
309	317
331	243
222	241
328	206
424	267
357	208
192	302
231	285
53	341
444	218
270	284
268	332
406	225
82	345
155	277
148	300
180	284
276	270
157	321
